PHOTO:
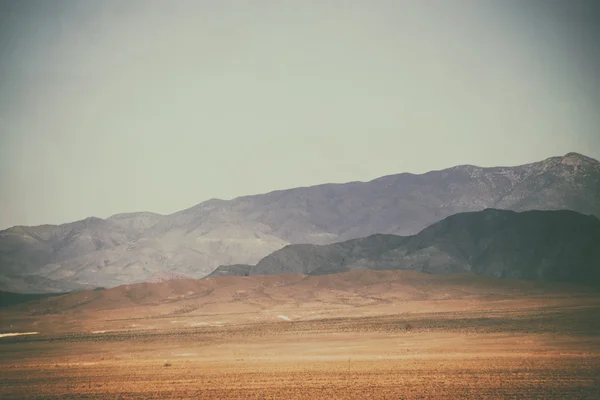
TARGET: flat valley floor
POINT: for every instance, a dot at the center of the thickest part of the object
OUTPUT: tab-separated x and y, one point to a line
544	346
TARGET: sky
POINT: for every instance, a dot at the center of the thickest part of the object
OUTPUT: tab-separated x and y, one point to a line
114	106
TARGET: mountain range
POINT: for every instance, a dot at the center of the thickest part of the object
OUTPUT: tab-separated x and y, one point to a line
534	245
136	247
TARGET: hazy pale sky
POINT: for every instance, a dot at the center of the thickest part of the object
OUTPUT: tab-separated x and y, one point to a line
126	105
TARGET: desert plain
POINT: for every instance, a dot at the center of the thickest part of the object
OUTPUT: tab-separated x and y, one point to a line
355	335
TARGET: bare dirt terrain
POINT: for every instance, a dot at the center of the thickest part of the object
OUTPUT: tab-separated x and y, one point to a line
363	335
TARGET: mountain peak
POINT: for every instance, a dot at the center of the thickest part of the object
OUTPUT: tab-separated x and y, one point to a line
92	220
573	154
578	162
577	159
133	215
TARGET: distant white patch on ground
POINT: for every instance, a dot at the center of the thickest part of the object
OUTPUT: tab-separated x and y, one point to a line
215	323
100	331
284	317
17	334
77	363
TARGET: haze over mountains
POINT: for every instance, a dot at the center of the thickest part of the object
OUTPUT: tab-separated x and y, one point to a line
534	245
136	247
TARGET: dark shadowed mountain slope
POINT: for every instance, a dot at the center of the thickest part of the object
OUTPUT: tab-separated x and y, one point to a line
10	299
545	245
232	270
333	258
315	259
129	248
537	245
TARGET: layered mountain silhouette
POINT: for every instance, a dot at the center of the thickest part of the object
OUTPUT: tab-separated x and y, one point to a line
536	245
129	248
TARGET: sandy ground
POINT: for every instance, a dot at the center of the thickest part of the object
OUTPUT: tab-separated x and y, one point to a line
520	345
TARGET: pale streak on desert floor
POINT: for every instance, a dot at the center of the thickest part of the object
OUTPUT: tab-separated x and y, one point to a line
11	334
466	341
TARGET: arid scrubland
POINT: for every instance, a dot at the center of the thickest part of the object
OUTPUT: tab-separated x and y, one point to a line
484	341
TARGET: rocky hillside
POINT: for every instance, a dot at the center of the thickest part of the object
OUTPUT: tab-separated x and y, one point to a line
538	245
129	248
